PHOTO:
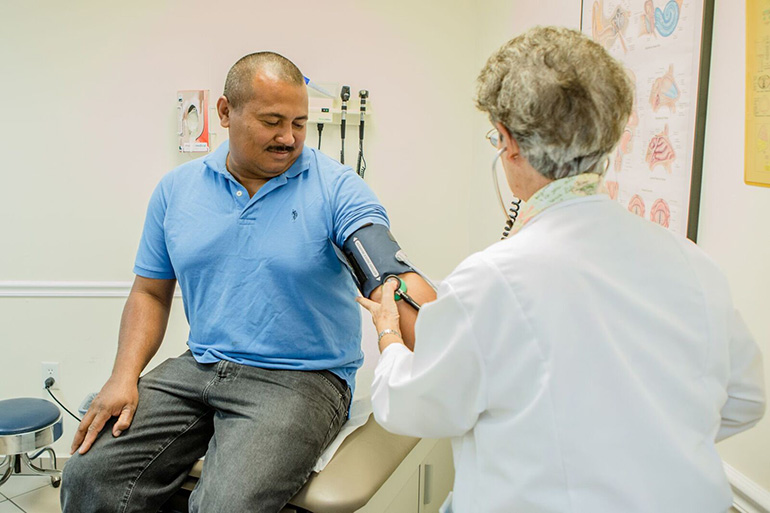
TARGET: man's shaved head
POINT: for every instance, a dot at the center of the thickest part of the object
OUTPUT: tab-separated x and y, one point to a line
238	85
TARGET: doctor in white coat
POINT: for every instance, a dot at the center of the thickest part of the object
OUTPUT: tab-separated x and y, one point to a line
591	361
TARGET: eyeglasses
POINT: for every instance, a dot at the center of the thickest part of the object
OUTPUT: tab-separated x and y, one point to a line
493	136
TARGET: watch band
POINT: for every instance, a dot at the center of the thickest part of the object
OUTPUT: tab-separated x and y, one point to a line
387	331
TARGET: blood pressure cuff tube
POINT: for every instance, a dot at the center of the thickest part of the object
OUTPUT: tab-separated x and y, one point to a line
371	253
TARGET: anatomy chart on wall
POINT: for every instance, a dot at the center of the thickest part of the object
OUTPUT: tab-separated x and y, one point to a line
655	169
758	92
193	120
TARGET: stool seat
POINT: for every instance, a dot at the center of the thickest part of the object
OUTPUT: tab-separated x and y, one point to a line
28	424
24	415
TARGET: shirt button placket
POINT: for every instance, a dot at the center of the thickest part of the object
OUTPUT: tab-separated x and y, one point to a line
240	200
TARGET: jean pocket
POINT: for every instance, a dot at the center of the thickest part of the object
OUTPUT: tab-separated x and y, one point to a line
337	388
337	382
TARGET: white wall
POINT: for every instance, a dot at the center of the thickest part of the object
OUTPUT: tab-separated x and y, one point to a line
734	217
89	104
90	92
500	21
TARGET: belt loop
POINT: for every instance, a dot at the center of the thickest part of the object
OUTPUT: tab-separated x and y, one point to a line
222	368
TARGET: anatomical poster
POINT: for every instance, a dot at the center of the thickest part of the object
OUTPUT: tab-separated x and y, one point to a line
193	120
758	92
656	167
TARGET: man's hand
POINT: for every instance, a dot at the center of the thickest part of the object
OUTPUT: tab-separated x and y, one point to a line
142	327
115	399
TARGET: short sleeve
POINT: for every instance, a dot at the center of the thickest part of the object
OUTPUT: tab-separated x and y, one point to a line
152	258
354	204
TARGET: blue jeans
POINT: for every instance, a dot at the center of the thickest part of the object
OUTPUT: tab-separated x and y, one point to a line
261	431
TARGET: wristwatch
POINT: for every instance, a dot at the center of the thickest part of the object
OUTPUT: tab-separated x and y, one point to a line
387	331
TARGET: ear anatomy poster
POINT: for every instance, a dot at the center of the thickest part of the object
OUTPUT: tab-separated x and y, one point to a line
757	165
193	120
659	43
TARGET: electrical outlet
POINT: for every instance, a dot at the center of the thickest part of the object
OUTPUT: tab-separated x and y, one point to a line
50	370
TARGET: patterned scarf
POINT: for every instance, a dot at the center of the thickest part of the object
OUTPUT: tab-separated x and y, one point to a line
586	184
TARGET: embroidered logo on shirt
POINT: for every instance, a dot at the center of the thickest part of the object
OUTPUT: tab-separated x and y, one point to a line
294	215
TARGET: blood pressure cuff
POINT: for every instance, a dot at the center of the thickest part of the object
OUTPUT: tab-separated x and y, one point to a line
370	252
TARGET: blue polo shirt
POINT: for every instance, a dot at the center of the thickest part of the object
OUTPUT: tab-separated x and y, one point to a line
260	280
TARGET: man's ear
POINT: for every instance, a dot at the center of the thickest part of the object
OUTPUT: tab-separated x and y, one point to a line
223	109
509	143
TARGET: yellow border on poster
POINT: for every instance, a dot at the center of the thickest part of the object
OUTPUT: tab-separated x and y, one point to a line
757	159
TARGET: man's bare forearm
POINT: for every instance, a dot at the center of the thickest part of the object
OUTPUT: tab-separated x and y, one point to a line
421	292
142	326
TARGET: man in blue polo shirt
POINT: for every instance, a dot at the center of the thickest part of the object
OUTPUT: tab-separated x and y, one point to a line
274	341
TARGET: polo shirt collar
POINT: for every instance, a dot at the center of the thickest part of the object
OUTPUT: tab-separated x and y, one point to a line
217	161
300	165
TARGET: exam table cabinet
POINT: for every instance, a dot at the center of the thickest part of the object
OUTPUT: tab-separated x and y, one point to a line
373	471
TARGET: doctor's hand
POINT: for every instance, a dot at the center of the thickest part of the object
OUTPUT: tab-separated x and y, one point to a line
116	399
385	313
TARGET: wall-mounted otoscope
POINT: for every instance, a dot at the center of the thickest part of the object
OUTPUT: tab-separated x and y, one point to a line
363	94
344	96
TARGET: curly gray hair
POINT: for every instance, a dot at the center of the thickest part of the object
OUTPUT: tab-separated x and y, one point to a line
563	98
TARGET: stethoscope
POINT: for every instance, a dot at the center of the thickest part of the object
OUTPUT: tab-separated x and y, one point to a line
401	290
511	213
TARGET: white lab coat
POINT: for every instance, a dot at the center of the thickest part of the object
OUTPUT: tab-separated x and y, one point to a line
588	364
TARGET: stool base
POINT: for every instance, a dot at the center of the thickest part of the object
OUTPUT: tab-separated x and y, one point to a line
16	462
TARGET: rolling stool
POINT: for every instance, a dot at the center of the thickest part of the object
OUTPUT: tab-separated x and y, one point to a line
28	425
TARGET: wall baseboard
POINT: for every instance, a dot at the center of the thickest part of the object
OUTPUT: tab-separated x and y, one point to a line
73	289
748	496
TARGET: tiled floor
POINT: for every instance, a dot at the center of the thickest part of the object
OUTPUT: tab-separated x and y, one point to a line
30	494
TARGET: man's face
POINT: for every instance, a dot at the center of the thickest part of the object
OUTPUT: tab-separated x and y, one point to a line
266	133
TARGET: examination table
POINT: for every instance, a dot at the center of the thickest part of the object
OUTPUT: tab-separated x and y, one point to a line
372	471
